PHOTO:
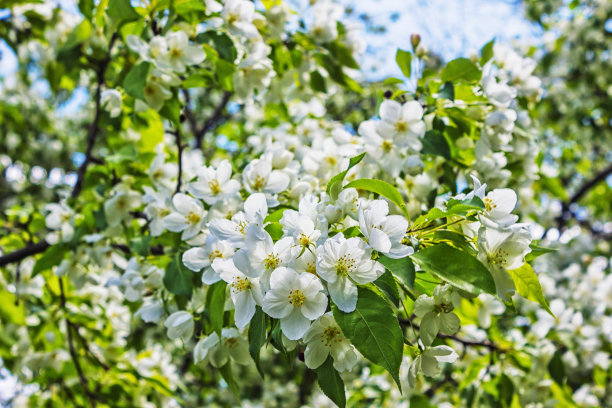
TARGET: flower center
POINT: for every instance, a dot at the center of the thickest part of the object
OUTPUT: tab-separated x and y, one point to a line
489	204
296	297
499	257
401	126
311	267
241	226
331	335
331	160
443	308
231	342
304	240
240	284
193	218
345	265
386	146
259	183
215	188
176	53
271	261
215	254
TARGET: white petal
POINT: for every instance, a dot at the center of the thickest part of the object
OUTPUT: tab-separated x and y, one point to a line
390	111
316	353
245	308
344	294
196	259
295	325
379	241
429	328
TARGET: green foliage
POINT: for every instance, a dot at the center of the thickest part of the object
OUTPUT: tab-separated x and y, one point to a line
528	285
460	69
178	279
331	383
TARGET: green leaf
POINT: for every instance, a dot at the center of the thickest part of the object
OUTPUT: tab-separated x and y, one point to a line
435	143
152	133
386	283
537	251
447	91
50	258
374	330
178	279
121	12
462	206
275	216
343	54
460	68
334	186
404	61
382	188
317	82
141	245
215	305
257	336
528	285
505	388
136	80
331	383
228	376
275	229
556	368
457	267
77	36
12	310
220	42
402	268
225	74
486	53
458	240
172	111
393	81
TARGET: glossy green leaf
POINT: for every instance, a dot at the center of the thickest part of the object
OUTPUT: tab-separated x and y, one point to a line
334	186
528	285
374	330
215	305
404	61
486	52
11	309
386	283
457	267
331	383
178	279
460	69
52	256
257	336
435	143
228	376
136	80
121	12
402	268
382	188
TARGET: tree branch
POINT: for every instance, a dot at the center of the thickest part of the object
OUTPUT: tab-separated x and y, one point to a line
93	130
73	355
214	118
22	253
566	213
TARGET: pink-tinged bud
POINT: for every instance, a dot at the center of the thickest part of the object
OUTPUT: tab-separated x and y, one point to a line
415	40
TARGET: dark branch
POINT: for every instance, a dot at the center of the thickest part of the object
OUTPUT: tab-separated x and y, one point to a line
73	355
212	121
23	253
95	125
566	212
179	159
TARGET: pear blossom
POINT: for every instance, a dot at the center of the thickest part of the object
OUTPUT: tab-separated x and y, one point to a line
188	216
213	185
110	99
157	207
324	338
238	15
428	360
60	219
301	229
385	233
179	325
162	174
235	229
218	351
180	53
501	251
437	313
295	299
403	122
119	206
343	263
245	291
198	258
258	176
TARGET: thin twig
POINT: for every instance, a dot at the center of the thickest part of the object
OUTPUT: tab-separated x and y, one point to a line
212	121
95	125
179	145
22	253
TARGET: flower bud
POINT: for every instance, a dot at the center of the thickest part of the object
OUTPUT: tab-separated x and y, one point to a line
415	40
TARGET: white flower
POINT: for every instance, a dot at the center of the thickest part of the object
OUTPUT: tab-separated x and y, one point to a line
437	313
60	219
198	258
213	185
499	94
151	312
502	251
180	53
189	216
218	351
324	338
300	228
428	361
119	206
384	232
238	15
131	282
403	122
260	257
343	263
489	306
258	176
295	299
244	291
179	325
158	206
162	174
110	99
235	230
